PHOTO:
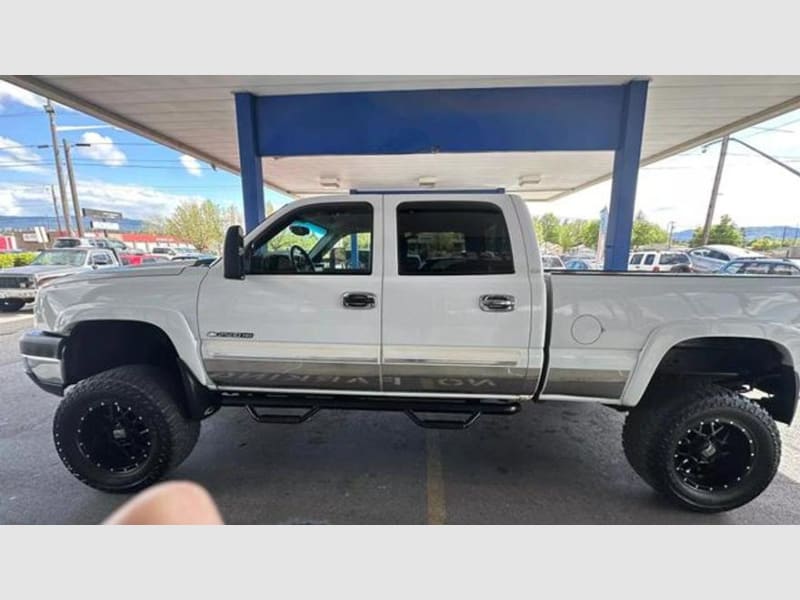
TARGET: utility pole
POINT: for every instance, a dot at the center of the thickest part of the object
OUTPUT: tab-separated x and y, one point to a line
712	203
73	188
670	227
51	113
55	207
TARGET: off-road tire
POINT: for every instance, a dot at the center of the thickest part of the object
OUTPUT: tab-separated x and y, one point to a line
11	304
653	430
147	392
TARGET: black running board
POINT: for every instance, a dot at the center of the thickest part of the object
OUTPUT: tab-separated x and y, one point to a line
467	411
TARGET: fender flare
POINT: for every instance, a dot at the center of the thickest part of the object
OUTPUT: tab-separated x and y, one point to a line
662	339
172	322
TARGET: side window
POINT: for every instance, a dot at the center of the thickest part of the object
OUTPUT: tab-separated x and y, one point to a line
452	238
100	257
649	259
733	267
636	259
699	253
718	255
323	239
755	268
784	269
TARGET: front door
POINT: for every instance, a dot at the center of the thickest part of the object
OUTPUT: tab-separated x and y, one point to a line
457	297
307	314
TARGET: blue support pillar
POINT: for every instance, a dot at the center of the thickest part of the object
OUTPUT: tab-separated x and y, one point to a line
626	171
250	161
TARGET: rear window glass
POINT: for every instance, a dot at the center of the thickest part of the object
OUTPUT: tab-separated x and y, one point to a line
452	238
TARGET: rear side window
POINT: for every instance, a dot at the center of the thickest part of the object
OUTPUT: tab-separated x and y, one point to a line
784	270
755	268
636	259
673	259
452	238
649	259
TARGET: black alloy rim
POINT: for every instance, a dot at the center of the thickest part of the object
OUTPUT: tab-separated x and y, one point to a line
115	438
714	455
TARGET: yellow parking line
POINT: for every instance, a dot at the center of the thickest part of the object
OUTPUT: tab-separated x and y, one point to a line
437	514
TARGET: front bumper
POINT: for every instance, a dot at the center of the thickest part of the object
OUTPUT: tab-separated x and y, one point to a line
42	354
18	293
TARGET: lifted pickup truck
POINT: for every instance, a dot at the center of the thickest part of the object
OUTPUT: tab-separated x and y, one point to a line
434	305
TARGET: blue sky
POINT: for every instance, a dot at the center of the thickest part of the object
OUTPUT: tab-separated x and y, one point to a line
125	172
119	171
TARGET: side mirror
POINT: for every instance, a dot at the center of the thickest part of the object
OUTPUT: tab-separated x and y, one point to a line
232	255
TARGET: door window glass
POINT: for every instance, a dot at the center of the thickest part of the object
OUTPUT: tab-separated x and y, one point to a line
452	238
332	239
649	259
636	259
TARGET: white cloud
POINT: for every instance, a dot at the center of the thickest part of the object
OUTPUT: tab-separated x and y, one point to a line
83	127
133	201
102	149
10	92
13	157
192	165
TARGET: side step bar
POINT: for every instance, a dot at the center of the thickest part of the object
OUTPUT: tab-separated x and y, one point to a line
469	411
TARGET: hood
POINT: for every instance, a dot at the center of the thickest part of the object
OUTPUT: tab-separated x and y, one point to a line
34	270
134	271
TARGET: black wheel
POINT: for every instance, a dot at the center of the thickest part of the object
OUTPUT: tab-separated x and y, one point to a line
122	430
11	304
706	448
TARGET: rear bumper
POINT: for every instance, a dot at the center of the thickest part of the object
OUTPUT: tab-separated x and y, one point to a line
17	293
42	359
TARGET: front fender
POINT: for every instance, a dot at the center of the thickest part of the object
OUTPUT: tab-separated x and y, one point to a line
662	339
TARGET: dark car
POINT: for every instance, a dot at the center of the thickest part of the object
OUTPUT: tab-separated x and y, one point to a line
760	266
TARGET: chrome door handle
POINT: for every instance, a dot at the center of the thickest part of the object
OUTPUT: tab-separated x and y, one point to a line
358	300
497	303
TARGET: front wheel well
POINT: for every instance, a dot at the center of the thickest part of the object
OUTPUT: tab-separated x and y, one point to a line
760	368
96	346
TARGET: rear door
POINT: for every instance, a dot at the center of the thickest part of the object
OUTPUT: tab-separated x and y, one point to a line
456	297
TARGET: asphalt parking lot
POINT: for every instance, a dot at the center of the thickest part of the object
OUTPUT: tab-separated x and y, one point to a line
552	463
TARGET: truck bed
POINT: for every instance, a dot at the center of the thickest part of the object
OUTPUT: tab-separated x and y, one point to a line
602	325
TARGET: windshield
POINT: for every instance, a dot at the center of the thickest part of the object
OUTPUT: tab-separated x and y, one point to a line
70	258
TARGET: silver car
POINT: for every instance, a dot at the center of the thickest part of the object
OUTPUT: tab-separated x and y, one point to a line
19	285
711	258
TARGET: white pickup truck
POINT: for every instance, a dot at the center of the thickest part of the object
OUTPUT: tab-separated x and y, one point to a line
431	304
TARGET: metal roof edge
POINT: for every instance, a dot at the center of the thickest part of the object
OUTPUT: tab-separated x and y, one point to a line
37	86
758	117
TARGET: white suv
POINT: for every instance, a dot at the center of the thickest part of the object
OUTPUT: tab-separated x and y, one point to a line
655	262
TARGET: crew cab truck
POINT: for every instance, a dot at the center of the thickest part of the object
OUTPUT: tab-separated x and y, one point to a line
435	305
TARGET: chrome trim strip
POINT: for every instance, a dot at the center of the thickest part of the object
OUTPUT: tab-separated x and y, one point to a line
571	398
412	395
41	358
284	359
440	361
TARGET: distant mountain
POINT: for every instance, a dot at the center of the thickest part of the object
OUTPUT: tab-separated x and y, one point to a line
28	223
776	232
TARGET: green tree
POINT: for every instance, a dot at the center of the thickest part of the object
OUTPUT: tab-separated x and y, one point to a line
590	233
199	223
548	228
724	232
647	233
764	244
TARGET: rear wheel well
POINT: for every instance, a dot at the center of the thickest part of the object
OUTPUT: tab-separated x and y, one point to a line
759	368
96	346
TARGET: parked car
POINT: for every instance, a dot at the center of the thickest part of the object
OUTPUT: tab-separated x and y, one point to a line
141	258
142	355
551	261
761	266
72	242
20	285
660	261
111	243
166	251
581	264
708	259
